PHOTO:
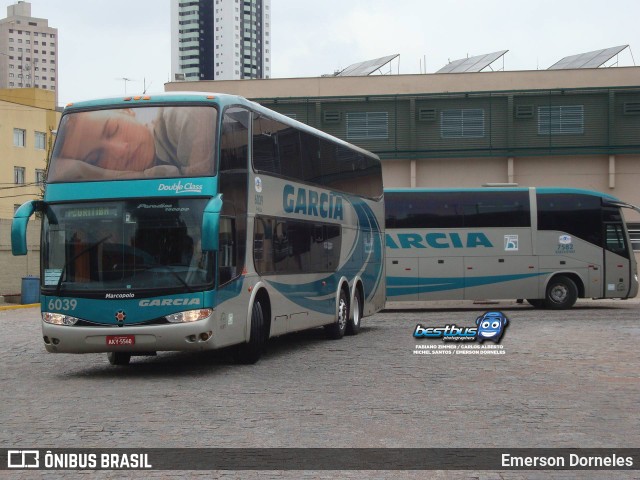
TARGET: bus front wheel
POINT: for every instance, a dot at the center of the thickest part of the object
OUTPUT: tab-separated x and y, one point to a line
562	293
250	352
336	330
119	358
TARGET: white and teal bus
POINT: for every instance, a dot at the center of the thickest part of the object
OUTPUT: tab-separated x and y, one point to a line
189	222
547	245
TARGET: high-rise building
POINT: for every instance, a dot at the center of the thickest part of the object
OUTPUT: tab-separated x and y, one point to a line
220	39
28	50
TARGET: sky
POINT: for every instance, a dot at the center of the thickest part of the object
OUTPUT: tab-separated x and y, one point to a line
101	42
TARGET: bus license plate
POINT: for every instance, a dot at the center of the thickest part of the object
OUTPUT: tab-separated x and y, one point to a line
121	339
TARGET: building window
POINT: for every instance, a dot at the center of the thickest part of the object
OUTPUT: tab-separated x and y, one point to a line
18	175
39	176
367	125
561	120
19	136
40	141
462	123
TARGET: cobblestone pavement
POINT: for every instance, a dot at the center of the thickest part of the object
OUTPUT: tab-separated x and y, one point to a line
566	379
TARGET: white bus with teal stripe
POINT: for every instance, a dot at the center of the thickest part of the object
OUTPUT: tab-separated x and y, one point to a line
196	221
550	246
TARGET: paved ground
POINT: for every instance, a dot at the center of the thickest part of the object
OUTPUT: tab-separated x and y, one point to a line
566	379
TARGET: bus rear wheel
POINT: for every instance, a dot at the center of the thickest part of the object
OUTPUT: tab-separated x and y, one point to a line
119	358
336	330
353	325
562	293
250	352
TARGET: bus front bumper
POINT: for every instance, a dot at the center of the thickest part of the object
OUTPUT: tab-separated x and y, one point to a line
194	336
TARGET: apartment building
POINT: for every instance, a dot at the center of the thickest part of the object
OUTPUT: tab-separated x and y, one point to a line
28	50
220	39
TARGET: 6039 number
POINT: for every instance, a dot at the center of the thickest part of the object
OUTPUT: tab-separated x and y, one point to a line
62	304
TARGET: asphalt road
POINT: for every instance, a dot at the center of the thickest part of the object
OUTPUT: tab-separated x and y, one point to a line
563	379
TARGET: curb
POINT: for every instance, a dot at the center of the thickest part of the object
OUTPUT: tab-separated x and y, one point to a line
15	307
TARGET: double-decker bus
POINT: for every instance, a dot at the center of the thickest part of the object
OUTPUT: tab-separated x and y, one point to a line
547	245
189	222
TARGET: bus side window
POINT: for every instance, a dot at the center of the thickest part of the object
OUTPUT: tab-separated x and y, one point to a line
226	252
263	245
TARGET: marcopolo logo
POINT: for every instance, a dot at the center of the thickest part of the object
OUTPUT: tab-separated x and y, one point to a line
179	187
489	326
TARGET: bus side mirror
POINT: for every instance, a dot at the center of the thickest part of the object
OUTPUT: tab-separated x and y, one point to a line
19	226
211	224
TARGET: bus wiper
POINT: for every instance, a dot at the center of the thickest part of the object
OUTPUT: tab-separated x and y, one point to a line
180	279
75	257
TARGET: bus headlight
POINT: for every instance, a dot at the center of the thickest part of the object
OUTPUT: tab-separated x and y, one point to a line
189	315
58	319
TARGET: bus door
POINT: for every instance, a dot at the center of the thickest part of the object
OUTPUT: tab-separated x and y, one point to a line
617	264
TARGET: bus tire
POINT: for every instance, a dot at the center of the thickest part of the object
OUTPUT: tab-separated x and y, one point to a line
119	358
250	352
355	319
536	302
562	293
336	330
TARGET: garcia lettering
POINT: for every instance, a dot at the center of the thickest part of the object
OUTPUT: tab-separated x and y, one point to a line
438	240
309	202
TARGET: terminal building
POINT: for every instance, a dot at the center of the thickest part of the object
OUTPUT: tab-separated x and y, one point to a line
573	125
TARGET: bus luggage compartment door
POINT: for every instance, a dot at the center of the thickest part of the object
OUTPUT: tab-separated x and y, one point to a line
500	277
403	280
441	278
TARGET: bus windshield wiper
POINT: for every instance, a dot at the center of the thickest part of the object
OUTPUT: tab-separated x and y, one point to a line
176	275
75	257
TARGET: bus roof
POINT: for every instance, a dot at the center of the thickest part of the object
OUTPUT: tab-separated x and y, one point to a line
220	99
541	190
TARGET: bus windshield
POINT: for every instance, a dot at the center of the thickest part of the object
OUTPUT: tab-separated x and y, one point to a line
125	246
134	143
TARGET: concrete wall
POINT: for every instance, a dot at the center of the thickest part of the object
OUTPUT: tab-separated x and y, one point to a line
13	269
